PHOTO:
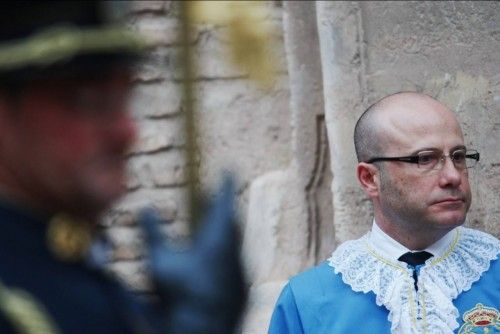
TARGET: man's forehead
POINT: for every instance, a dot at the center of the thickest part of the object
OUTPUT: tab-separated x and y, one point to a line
411	102
412	110
412	120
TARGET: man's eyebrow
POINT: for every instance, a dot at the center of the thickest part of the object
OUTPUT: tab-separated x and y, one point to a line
433	149
424	149
458	147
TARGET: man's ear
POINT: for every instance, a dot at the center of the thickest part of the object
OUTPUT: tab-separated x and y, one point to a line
369	178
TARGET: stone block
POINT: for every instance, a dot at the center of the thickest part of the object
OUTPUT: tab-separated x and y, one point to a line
213	53
161	30
260	236
149	6
164	169
156	66
156	99
133	274
159	135
275	236
125	236
260	307
169	202
243	119
133	179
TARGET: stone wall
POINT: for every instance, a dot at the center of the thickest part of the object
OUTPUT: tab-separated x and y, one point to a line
156	163
291	148
242	128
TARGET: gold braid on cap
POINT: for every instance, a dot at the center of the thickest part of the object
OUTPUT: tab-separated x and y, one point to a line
60	43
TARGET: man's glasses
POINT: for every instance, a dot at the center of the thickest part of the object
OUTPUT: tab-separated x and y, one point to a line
434	159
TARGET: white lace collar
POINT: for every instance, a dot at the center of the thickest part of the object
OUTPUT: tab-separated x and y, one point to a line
441	280
391	249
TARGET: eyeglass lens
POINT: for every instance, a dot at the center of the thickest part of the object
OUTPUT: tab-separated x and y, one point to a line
435	160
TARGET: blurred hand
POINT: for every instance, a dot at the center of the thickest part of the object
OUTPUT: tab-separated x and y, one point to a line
202	287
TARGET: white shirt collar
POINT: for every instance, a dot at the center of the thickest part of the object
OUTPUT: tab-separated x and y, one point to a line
391	249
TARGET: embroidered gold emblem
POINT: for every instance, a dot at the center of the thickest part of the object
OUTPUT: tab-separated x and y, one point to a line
481	319
67	238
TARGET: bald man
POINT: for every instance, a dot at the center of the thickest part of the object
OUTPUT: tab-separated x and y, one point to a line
417	270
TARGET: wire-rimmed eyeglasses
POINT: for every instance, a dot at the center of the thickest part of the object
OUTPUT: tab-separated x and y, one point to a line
434	159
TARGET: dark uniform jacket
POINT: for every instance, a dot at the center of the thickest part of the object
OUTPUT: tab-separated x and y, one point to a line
75	297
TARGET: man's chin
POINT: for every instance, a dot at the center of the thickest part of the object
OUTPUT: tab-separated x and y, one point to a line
450	220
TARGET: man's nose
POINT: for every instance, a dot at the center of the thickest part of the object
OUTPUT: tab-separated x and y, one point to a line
449	175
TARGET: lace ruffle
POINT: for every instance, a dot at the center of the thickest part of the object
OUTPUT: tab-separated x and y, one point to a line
440	281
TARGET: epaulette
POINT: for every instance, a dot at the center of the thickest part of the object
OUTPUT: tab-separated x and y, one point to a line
25	313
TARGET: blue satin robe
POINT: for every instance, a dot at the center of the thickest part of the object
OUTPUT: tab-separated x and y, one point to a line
318	301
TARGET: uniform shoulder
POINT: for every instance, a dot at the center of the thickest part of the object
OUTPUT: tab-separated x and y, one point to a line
474	233
480	243
314	279
321	269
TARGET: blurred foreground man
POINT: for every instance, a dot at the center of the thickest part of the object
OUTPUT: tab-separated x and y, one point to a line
64	132
417	270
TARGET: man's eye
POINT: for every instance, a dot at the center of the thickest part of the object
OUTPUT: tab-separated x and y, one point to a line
427	158
458	156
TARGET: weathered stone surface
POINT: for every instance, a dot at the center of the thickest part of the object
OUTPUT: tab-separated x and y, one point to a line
260	306
242	129
133	181
165	169
311	162
149	5
344	89
156	99
170	202
261	231
156	66
213	53
159	135
133	274
274	246
212	58
435	38
290	211
158	30
125	236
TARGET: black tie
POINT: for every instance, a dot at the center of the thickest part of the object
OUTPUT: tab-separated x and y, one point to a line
415	259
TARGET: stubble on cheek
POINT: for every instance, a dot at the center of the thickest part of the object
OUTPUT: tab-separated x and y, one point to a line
398	201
